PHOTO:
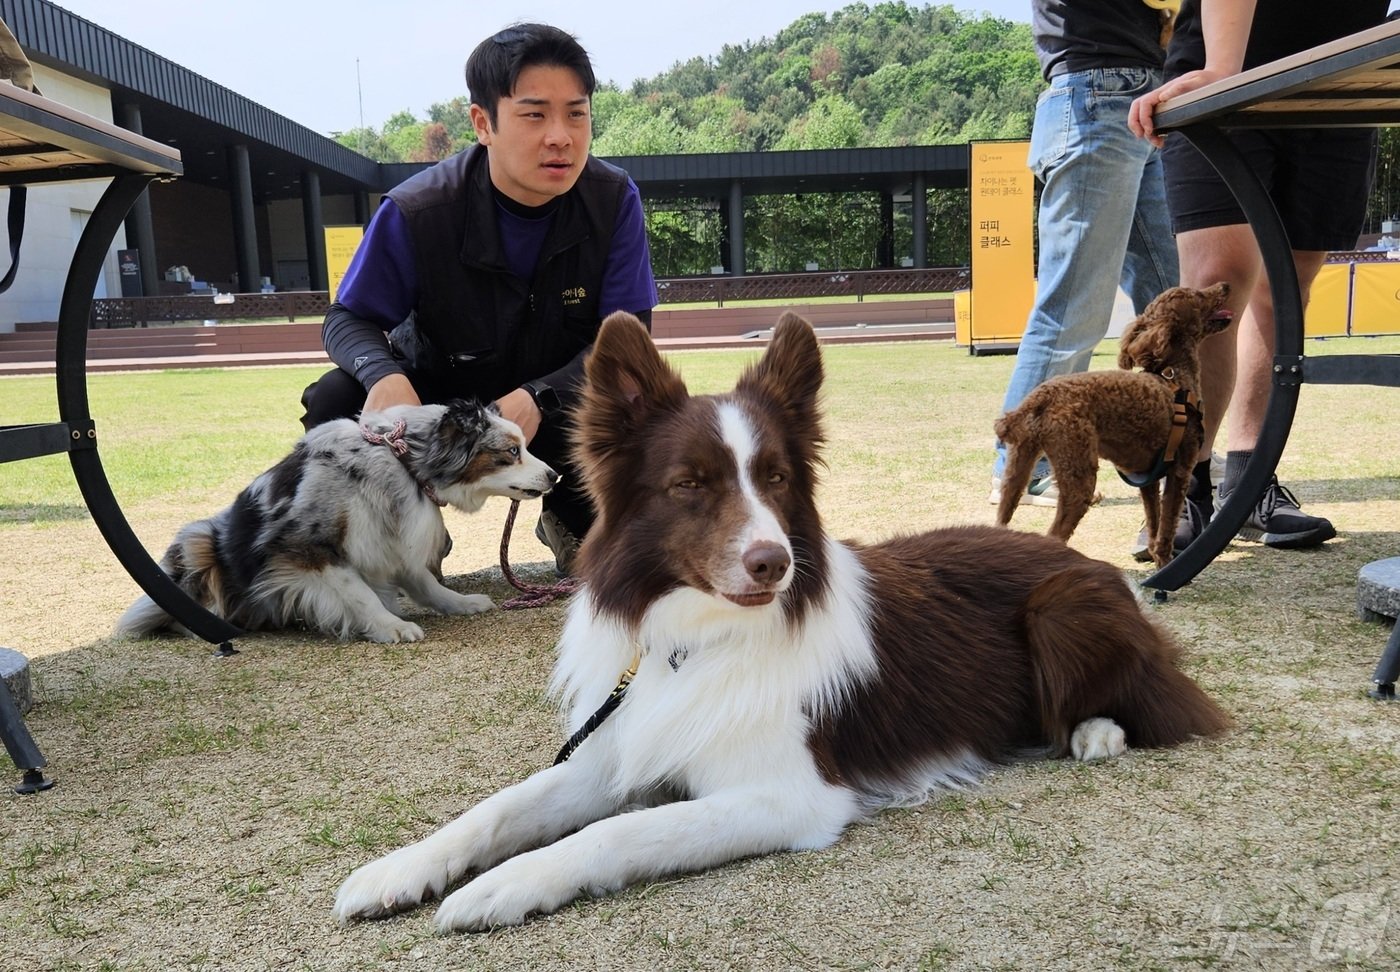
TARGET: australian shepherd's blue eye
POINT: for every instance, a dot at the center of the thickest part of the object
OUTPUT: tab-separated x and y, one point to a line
514	452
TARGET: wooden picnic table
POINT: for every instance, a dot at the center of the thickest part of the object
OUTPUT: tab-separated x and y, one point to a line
1350	82
43	141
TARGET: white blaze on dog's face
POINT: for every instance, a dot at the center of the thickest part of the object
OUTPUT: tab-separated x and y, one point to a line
712	493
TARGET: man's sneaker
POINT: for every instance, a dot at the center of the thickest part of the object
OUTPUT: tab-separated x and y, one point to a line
1040	491
1189	526
552	532
1277	521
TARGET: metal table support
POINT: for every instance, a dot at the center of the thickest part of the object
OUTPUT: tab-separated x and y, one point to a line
1352	82
45	142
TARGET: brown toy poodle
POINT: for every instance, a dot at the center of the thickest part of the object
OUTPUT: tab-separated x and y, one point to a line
1147	423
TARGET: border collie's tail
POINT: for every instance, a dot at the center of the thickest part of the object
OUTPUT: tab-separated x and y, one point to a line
1095	653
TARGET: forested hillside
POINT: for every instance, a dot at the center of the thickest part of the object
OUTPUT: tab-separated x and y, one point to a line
868	75
888	74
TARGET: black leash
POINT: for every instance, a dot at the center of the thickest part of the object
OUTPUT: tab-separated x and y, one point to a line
613	700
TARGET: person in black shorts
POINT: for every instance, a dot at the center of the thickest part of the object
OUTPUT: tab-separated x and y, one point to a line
1319	181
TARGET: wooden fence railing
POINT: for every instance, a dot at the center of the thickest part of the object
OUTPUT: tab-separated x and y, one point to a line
818	283
140	311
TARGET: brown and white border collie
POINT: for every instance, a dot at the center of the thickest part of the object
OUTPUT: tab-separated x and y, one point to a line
788	684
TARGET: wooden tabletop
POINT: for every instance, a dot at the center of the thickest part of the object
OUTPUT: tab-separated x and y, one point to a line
42	140
1350	82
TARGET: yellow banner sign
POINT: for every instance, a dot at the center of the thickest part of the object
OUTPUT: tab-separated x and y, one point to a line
341	244
1003	266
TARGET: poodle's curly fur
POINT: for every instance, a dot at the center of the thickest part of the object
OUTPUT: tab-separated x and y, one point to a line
1123	416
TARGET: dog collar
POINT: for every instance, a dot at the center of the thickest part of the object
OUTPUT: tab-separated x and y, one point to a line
394	439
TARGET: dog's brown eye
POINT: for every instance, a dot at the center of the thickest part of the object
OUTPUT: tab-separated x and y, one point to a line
775	478
688	484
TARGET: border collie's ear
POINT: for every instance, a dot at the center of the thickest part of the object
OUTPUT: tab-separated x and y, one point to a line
627	384
790	371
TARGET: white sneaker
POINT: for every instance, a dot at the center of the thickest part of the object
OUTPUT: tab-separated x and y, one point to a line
1040	491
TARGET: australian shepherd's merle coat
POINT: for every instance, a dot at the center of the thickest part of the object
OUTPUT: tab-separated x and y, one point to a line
329	535
788	684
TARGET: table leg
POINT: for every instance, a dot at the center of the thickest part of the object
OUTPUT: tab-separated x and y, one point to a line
1288	359
20	745
1388	669
71	369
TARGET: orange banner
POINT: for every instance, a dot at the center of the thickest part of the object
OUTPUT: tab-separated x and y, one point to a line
1003	265
1375	301
1329	303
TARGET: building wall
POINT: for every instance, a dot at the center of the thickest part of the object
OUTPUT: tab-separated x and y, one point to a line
286	235
194	228
49	237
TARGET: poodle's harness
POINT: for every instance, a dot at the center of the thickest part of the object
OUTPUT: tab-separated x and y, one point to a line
1186	405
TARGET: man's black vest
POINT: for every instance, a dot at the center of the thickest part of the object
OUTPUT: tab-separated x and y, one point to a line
493	330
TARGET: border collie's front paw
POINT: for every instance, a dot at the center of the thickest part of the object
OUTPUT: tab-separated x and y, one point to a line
394	883
505	895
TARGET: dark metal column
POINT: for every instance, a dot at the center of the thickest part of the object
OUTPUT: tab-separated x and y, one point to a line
140	227
884	256
919	197
245	227
361	198
736	228
315	227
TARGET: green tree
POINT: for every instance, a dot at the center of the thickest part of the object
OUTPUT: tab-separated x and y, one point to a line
887	73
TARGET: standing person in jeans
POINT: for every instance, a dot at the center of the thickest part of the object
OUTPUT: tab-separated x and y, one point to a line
488	275
1103	210
1319	181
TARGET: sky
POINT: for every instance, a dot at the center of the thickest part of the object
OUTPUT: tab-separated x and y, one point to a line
329	64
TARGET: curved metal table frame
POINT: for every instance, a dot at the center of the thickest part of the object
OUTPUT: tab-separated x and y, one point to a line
42	141
71	376
1353	82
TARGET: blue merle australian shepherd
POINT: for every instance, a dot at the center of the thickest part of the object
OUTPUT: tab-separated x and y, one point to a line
329	536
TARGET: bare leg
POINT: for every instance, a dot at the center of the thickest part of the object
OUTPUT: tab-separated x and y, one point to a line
1209	256
1255	349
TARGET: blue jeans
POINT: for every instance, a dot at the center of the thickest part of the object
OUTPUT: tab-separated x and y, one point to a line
1103	221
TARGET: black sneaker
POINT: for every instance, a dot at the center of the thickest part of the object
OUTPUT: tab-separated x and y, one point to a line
1277	522
1189	526
551	531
